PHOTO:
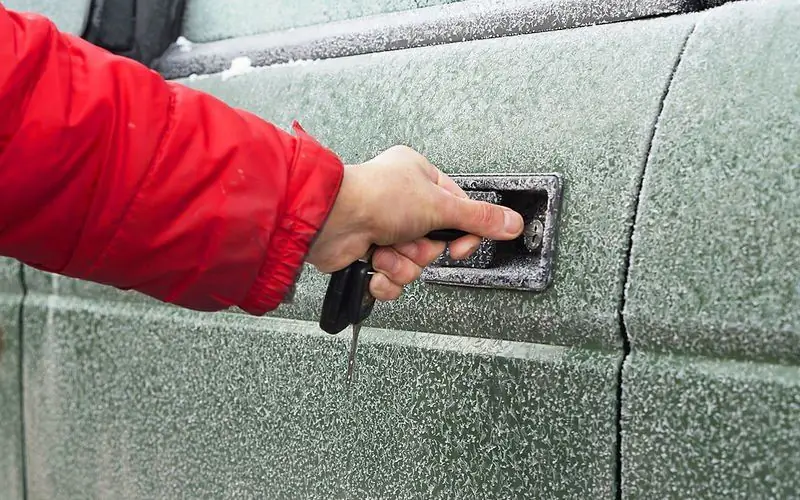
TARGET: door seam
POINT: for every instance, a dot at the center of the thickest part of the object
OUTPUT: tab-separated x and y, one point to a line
626	345
20	376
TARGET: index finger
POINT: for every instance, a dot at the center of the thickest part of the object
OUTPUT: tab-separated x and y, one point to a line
444	181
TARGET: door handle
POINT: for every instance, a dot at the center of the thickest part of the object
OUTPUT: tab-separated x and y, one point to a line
525	263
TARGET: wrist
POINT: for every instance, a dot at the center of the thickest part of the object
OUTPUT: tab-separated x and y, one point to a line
350	211
347	232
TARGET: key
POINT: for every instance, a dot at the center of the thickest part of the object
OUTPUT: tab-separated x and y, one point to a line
348	301
351	359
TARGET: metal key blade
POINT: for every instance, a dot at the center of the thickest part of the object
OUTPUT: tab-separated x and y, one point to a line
351	360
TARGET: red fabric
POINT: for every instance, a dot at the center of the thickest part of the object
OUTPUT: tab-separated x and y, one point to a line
111	174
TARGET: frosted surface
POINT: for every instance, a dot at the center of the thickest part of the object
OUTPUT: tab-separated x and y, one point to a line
129	401
695	428
716	266
38	281
452	22
68	15
206	20
580	102
10	405
9	276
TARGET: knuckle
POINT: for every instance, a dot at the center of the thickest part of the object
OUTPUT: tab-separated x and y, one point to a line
378	285
484	214
401	149
412	157
383	260
429	252
410	249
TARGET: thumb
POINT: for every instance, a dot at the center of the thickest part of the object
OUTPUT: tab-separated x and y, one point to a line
484	219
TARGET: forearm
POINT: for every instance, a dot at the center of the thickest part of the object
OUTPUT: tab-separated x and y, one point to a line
113	175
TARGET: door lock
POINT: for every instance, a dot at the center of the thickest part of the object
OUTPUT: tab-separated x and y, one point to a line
525	263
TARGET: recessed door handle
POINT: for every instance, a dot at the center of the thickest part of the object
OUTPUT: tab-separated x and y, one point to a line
525	263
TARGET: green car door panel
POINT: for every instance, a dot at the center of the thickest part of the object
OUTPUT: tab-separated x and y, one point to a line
130	400
705	428
11	443
450	22
661	362
68	15
578	102
711	391
131	397
715	266
207	20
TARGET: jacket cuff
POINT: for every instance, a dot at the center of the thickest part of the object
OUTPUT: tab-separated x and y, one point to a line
313	185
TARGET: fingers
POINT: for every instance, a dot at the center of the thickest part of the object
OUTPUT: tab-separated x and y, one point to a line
420	198
400	265
398	268
421	252
383	289
462	248
479	218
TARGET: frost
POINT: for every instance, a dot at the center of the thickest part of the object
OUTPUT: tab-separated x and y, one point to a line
674	447
183	44
205	21
239	66
468	96
433	25
724	238
292	63
424	409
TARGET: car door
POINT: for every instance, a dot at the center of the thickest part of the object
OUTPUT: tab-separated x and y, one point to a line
711	401
569	390
11	441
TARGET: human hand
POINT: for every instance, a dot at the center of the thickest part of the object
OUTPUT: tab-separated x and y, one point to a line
393	201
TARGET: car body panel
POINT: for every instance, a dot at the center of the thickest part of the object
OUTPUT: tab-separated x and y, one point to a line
666	344
11	439
449	380
581	103
131	400
70	16
711	405
207	20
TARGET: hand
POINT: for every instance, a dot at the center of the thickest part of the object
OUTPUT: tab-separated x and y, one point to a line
393	201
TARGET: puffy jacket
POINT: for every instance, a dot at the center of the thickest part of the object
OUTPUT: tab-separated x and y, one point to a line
111	174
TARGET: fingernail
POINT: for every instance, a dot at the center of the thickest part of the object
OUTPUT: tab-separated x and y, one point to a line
513	222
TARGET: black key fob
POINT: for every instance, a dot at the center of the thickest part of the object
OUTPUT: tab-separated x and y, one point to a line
347	300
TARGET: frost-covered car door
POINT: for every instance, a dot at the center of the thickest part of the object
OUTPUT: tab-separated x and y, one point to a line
70	16
460	391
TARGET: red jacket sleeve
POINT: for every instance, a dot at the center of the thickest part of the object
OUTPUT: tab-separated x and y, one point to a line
111	174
